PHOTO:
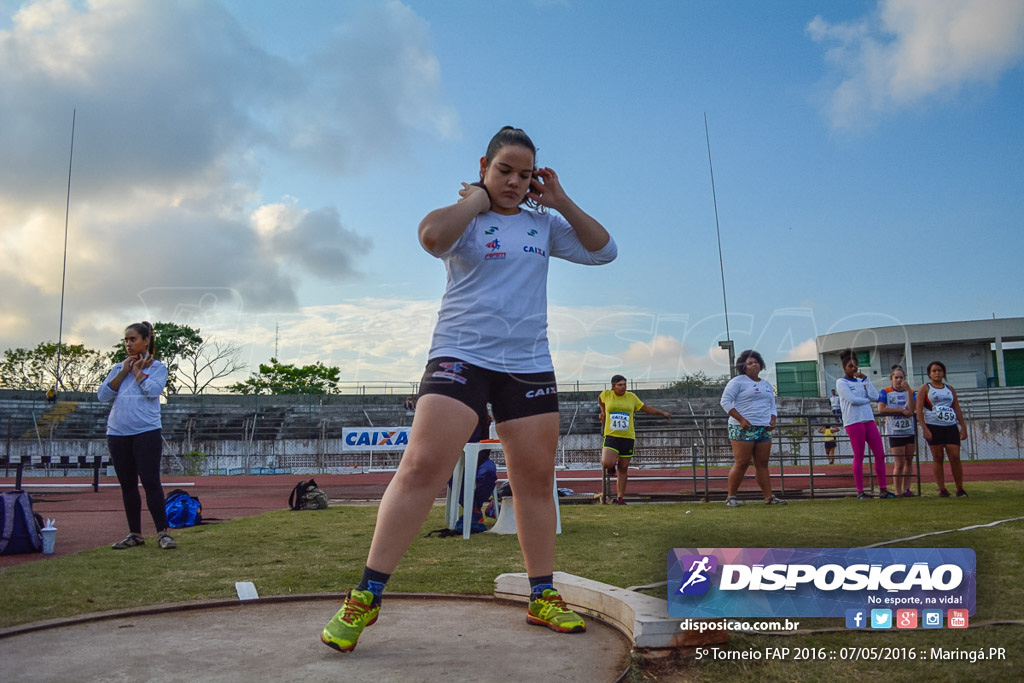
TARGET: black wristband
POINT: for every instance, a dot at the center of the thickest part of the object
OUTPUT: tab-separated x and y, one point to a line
482	187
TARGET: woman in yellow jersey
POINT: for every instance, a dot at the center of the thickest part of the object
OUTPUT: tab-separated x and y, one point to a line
830	442
617	409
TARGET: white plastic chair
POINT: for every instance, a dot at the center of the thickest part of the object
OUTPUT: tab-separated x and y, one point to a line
465	469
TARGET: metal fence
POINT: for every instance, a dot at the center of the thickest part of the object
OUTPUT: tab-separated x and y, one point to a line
697	456
689	459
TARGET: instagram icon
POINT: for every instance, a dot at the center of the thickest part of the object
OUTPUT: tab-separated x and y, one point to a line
931	618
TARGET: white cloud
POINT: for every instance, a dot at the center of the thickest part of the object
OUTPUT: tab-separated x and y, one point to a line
662	347
661	357
387	339
806	350
372	86
913	51
315	241
370	339
178	113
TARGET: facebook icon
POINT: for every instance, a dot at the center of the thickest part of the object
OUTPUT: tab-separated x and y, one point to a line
856	618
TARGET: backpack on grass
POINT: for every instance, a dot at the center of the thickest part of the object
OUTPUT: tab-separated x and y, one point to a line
306	496
182	509
19	525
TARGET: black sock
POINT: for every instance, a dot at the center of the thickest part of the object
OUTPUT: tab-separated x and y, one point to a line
538	584
374	582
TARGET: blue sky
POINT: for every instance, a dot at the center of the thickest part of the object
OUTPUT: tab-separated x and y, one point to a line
258	169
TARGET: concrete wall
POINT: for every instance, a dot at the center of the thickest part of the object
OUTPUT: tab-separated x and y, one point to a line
968	365
965	347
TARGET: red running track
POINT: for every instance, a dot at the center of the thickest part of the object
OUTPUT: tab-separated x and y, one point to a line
87	519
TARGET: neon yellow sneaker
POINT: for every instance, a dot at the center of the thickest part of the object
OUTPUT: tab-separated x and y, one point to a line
550	610
344	629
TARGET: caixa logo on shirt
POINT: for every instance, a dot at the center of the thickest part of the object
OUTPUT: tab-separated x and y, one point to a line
816	582
537	393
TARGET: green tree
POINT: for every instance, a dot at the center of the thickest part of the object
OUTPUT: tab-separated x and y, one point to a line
284	378
173	343
699	380
81	369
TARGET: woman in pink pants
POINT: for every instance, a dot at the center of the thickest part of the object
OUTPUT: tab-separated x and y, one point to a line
856	394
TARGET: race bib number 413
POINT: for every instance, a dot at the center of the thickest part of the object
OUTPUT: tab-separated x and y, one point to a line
619	422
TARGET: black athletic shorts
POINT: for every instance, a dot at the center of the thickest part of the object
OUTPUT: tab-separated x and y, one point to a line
897	441
621	445
511	396
944	435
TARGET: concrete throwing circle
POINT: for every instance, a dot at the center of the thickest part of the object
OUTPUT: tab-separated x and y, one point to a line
415	639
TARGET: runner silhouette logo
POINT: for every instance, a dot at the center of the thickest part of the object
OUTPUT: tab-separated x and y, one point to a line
696	580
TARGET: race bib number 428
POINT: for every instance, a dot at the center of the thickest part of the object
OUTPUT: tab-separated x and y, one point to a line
901	424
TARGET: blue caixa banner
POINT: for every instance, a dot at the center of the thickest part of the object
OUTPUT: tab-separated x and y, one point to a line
816	582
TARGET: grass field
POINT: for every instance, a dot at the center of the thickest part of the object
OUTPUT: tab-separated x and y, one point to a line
296	553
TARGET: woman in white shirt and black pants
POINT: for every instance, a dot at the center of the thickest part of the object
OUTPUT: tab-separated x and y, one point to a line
133	432
750	402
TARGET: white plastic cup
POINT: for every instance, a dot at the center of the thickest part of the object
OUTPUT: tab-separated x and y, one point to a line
49	539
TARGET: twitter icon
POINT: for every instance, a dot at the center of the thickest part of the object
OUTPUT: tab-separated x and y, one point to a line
881	618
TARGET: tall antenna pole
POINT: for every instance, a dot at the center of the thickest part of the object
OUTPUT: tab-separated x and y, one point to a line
64	272
727	344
